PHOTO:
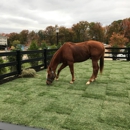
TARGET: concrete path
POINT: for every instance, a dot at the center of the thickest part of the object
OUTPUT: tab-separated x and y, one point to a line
7	126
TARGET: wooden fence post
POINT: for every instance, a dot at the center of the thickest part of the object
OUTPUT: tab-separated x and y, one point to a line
18	58
45	58
128	58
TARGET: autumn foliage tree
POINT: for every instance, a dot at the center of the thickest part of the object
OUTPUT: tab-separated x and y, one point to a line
118	40
96	31
23	36
80	30
49	34
126	27
65	34
12	37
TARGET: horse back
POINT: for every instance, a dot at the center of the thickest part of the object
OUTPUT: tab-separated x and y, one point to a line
96	49
78	52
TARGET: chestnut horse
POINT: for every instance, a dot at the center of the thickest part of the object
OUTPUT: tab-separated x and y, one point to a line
69	53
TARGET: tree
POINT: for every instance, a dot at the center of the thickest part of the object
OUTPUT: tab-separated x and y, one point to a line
65	34
33	36
114	27
96	31
118	40
126	27
33	46
80	30
15	43
50	35
40	36
24	36
13	37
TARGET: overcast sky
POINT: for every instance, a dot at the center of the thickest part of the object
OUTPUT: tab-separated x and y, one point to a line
17	15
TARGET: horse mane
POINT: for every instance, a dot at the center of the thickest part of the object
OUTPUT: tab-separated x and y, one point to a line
57	55
54	58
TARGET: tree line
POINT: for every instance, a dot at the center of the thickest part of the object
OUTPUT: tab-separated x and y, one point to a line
115	34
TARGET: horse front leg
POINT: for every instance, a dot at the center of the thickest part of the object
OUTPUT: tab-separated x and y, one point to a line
95	71
59	70
71	66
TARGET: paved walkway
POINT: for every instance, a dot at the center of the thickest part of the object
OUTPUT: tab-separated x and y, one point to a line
7	126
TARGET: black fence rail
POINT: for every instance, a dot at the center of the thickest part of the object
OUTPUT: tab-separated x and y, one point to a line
8	64
45	57
2	47
117	53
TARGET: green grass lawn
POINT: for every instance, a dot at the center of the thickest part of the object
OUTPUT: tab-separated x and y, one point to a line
102	105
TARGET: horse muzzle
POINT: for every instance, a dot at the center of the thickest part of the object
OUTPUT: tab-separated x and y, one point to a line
49	81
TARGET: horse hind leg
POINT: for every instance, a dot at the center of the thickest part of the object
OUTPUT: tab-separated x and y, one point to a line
59	70
95	71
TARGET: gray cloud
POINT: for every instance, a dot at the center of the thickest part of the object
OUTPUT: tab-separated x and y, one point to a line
17	15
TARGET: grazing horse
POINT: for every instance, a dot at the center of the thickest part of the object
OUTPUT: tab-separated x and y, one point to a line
69	53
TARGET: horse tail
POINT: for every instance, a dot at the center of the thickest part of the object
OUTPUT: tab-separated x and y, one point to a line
101	63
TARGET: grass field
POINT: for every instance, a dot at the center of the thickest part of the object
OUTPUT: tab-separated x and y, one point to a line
102	105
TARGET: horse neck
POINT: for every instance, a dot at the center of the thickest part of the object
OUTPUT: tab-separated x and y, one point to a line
54	62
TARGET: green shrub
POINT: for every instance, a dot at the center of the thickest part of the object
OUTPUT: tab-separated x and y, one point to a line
3	69
44	46
33	46
12	59
59	45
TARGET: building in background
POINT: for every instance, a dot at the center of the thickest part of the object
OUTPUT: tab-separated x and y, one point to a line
3	42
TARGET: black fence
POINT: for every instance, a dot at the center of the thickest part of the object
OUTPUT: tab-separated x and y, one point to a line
2	47
117	53
45	56
18	61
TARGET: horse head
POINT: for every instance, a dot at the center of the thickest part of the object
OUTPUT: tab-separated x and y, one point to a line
50	76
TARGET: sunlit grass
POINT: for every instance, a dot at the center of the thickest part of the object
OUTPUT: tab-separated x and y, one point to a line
102	105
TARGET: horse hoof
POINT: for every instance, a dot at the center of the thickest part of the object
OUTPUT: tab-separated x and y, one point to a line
92	80
88	83
57	79
71	82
